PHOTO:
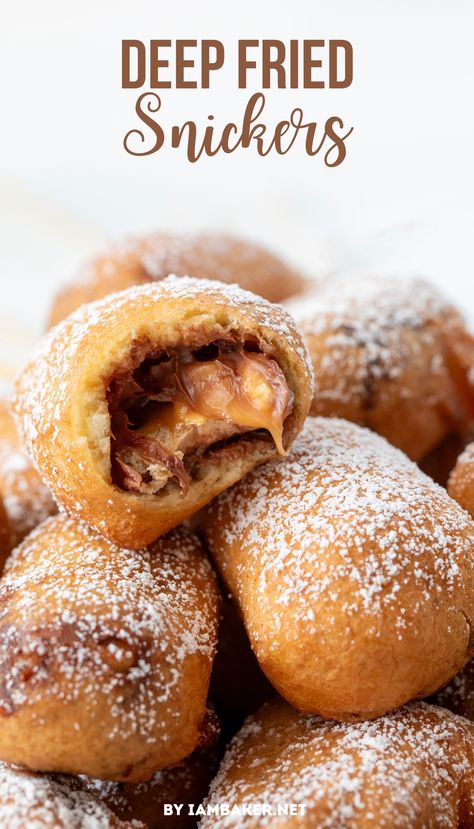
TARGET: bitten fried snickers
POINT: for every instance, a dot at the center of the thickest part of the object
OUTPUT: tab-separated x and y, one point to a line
141	408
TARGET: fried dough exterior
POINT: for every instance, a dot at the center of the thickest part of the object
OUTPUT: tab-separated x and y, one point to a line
390	354
105	653
461	480
353	571
30	800
152	258
411	768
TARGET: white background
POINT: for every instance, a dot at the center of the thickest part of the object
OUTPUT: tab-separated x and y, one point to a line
402	200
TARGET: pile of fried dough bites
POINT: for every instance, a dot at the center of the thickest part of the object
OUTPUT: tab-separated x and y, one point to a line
237	542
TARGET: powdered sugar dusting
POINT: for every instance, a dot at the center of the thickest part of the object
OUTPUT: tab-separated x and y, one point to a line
362	323
36	801
412	767
211	255
347	520
81	617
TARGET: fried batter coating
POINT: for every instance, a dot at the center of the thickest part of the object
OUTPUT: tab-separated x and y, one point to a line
391	354
461	479
410	769
105	653
150	258
30	800
353	571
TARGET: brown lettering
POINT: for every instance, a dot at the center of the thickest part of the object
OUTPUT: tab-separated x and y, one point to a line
182	63
311	63
334	81
275	63
208	66
157	63
244	62
127	82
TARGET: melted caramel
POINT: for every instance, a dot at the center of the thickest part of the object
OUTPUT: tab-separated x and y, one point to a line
245	389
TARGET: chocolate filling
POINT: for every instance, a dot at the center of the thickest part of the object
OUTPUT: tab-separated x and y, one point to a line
167	410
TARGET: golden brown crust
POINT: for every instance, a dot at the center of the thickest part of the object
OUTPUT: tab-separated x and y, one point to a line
105	653
151	258
353	572
390	354
26	498
62	407
461	480
411	768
